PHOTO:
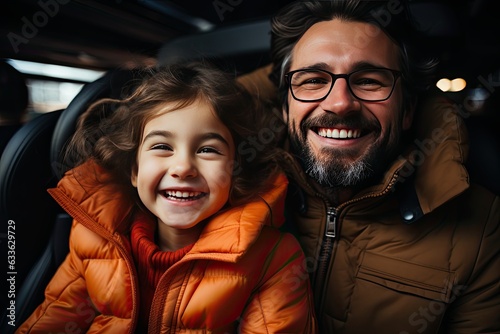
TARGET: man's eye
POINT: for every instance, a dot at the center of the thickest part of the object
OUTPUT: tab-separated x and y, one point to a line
161	147
367	81
315	81
310	82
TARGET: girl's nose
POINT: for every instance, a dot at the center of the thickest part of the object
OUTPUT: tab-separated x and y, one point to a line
183	167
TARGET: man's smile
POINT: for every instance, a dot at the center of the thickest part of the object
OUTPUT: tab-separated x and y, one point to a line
338	133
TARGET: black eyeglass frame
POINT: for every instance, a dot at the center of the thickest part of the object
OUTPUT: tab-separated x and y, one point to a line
288	79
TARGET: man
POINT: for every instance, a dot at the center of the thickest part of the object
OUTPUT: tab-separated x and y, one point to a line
396	238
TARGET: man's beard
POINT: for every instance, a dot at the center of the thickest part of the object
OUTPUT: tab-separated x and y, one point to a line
340	167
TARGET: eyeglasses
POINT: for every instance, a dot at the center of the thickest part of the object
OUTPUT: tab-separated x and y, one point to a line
373	84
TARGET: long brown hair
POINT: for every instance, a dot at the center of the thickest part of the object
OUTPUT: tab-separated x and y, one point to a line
110	131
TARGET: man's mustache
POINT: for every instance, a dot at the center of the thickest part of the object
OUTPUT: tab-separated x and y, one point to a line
331	120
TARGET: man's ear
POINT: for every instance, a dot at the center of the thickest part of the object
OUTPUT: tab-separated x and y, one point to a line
284	109
409	113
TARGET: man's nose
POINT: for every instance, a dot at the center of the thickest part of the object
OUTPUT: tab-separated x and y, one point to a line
340	99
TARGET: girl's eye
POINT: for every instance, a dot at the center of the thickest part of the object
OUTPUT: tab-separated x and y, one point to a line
161	147
209	149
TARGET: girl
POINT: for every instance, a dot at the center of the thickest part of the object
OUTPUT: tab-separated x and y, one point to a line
176	204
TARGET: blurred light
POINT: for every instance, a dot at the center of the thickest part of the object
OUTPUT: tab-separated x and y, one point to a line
56	71
52	87
479	94
476	99
457	85
444	84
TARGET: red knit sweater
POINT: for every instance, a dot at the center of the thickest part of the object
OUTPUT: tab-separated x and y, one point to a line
151	263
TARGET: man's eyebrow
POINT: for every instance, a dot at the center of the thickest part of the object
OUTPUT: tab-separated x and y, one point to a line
366	65
361	65
317	66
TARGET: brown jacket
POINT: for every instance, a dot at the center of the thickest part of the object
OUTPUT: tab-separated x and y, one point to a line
417	253
241	272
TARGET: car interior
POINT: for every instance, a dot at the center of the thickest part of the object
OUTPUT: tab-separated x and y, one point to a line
117	36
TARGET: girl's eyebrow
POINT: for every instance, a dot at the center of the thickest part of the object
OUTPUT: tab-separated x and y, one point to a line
214	135
157	133
203	136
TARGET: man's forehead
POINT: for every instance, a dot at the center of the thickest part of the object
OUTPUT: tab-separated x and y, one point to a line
342	43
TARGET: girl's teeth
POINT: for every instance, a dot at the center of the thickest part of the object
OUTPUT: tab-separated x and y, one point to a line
183	194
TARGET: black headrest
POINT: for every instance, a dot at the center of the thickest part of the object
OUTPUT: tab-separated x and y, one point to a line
113	84
240	48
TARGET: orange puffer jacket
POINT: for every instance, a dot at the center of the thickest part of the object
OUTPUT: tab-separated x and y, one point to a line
241	275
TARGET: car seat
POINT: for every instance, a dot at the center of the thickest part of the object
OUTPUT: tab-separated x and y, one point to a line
31	164
25	205
239	48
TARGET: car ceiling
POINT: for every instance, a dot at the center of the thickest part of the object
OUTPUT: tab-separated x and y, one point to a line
126	33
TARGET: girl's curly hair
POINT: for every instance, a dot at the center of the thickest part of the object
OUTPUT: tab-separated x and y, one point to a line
110	131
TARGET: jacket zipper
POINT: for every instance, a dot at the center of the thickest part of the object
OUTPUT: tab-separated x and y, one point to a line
326	249
327	245
331	222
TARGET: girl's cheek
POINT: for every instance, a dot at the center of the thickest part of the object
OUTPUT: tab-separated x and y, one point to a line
224	175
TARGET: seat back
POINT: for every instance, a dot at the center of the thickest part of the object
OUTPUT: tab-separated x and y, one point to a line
237	48
31	164
113	84
27	212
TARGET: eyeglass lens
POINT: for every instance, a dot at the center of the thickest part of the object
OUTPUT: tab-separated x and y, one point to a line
369	85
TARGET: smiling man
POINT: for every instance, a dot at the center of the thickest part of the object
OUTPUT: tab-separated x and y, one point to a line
396	237
355	118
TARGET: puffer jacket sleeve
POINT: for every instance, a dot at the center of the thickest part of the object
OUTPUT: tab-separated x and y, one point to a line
475	306
67	306
283	302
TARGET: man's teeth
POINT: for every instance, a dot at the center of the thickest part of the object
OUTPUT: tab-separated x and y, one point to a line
183	194
339	134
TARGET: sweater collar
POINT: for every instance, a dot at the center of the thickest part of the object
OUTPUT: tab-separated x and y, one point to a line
151	261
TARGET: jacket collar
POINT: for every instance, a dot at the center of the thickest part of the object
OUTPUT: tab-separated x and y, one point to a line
438	154
429	172
240	226
89	195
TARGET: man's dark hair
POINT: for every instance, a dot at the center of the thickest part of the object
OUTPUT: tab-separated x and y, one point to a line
393	17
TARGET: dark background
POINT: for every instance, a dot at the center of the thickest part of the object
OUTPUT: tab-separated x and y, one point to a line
124	33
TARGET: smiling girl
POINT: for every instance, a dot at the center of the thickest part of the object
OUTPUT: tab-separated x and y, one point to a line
175	230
